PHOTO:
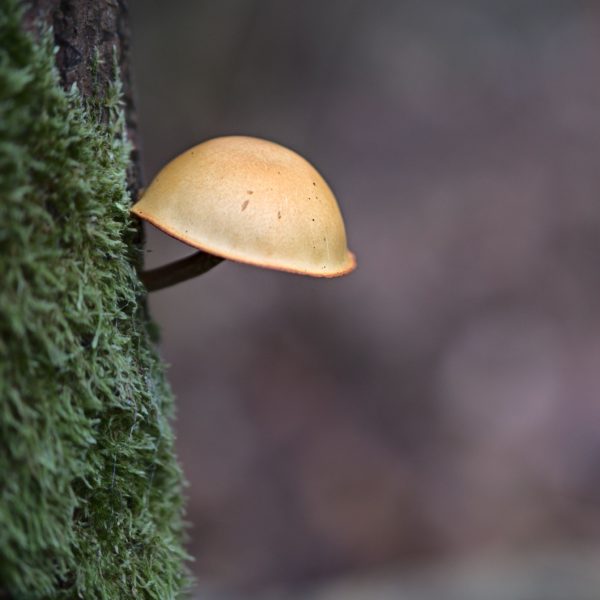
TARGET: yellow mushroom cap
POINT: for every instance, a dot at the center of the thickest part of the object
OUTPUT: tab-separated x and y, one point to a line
252	201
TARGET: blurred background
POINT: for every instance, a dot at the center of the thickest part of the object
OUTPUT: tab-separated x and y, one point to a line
428	427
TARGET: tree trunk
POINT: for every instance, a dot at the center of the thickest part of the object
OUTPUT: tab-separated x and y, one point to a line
90	489
84	30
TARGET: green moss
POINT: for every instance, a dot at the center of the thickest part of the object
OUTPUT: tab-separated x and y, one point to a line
90	491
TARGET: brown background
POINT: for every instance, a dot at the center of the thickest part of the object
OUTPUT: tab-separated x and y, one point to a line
442	403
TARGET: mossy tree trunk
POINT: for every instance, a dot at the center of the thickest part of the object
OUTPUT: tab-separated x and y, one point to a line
86	33
90	489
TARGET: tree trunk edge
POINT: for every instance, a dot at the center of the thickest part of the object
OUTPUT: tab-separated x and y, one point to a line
81	29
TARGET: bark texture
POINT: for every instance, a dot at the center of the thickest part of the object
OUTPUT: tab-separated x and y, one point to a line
88	32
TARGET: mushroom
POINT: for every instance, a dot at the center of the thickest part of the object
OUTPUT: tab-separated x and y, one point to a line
247	200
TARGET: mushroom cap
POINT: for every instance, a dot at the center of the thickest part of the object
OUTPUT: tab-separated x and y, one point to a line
251	201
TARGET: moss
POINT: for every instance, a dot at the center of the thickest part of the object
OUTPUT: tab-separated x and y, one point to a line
90	491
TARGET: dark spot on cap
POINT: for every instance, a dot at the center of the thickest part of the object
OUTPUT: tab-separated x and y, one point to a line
314	183
245	204
250	192
279	214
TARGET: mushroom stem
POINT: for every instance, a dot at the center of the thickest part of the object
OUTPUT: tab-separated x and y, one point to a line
178	271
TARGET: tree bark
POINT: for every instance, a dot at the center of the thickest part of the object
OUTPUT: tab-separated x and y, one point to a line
84	29
87	32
